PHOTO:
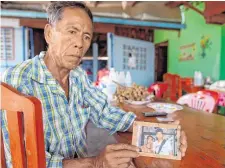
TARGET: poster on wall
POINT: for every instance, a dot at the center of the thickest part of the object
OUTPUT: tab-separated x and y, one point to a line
187	52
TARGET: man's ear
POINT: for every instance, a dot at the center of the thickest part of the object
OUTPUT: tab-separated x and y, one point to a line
48	33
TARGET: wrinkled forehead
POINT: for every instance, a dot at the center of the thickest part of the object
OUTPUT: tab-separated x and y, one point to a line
75	17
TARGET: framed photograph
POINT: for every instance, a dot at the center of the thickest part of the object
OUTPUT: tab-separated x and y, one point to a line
157	140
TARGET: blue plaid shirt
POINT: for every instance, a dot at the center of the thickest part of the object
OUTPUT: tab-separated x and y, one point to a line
64	121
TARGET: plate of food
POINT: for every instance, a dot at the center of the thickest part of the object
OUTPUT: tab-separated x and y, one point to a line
135	95
165	107
141	102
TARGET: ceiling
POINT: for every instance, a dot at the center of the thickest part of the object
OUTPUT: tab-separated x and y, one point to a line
214	12
152	11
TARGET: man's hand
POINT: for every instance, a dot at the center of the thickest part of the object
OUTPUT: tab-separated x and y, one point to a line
183	143
183	140
117	156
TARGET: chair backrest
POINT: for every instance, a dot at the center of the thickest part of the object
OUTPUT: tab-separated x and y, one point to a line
102	73
214	94
174	90
198	101
158	88
186	81
25	127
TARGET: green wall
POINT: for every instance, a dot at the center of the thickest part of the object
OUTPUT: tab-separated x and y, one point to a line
196	27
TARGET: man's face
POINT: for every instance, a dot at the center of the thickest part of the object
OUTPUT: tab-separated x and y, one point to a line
150	140
159	135
70	38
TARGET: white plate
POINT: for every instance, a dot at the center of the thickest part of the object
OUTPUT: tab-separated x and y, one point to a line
165	107
137	102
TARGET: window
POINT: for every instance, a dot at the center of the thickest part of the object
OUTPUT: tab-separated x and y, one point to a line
7	43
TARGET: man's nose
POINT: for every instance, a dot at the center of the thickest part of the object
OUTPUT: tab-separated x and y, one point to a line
78	42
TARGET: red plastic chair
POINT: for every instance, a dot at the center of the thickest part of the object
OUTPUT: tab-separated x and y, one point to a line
214	94
102	73
159	89
198	101
26	145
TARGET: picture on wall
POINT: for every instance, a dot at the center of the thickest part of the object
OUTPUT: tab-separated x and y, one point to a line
187	52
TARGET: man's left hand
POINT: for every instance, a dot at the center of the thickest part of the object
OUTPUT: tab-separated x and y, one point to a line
183	140
183	143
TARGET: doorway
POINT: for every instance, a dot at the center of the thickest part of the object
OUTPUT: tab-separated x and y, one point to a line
37	42
161	59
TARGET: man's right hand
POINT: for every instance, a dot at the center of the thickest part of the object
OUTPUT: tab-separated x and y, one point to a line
117	156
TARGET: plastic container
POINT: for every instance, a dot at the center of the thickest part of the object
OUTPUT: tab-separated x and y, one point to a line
128	80
121	78
198	79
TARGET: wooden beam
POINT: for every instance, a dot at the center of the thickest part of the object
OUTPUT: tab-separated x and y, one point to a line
216	19
214	8
178	3
131	3
173	4
40	24
33	23
193	8
104	28
96	3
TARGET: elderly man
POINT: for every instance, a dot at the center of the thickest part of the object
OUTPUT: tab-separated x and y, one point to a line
56	79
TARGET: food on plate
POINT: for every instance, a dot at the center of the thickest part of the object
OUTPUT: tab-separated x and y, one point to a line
134	93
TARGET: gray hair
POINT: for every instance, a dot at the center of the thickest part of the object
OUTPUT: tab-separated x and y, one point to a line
55	9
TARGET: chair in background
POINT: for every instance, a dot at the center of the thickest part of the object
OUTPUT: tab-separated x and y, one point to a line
174	90
101	73
214	94
25	126
186	81
188	86
198	101
159	89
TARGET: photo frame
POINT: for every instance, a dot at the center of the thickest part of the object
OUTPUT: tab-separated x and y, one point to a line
157	140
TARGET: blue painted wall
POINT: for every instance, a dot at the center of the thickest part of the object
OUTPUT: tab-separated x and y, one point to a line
116	57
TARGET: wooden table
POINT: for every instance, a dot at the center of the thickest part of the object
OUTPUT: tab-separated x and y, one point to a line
205	136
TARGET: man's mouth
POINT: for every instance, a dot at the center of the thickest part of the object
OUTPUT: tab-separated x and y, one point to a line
75	56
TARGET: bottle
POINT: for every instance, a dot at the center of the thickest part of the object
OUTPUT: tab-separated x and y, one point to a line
195	78
121	79
128	80
201	78
198	79
112	74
